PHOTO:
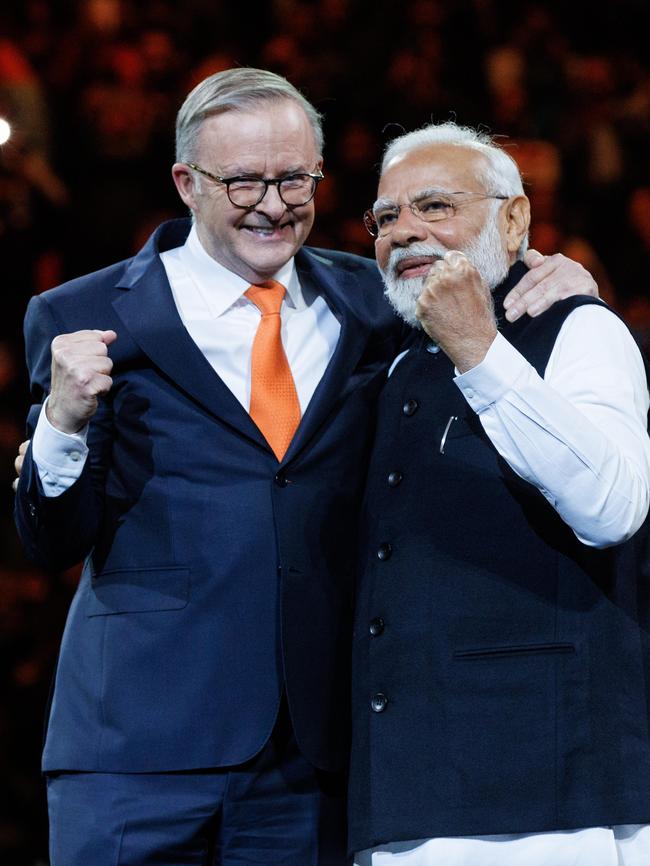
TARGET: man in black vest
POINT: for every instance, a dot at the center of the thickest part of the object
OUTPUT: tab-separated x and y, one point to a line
502	652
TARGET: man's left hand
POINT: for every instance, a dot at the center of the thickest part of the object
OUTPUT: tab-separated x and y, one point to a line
549	279
456	310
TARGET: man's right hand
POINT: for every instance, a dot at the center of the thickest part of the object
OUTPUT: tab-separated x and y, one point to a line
80	374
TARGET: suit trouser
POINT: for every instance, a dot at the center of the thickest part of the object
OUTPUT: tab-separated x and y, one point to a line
275	810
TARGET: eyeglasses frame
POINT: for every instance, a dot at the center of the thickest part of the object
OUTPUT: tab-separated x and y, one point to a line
369	216
316	177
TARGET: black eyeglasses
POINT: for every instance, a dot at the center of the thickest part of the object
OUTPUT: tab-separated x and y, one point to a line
430	207
247	192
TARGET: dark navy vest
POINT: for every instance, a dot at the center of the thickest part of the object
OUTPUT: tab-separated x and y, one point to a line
501	668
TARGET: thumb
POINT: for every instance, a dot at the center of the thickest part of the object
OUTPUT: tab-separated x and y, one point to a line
107	337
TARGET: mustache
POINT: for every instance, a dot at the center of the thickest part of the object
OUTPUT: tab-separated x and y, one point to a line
399	254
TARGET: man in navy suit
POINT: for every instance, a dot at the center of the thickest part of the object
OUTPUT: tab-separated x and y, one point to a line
199	712
502	644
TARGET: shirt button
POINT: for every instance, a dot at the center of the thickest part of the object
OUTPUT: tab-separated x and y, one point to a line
394	479
469	393
75	456
410	407
379	702
433	348
281	480
384	552
376	626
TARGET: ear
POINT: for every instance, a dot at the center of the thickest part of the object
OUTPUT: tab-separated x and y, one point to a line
184	180
517	217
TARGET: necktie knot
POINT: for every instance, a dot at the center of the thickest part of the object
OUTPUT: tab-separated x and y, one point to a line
267	296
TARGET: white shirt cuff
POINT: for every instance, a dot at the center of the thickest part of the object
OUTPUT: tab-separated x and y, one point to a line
59	457
497	374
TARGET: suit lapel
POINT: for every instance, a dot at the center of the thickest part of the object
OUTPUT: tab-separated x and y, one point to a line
338	287
149	313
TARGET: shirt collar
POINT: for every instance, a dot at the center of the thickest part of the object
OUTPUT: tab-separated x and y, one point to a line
221	288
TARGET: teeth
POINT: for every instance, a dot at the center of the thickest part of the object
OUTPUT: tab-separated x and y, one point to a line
260	230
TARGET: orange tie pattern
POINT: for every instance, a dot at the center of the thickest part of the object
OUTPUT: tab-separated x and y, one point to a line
274	400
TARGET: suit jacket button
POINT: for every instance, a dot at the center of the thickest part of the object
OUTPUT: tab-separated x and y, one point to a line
384	552
379	703
281	480
410	407
376	626
394	479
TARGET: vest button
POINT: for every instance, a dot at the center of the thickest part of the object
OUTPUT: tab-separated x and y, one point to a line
384	552
281	480
410	407
378	703
377	626
394	479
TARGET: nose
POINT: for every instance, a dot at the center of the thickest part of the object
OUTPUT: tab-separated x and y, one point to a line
408	228
271	205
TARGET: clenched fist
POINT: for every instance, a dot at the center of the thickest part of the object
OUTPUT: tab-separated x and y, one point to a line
456	310
80	374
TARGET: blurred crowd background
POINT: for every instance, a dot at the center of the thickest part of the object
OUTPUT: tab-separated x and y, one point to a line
91	88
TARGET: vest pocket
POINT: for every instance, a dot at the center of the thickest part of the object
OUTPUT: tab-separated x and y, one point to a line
515	650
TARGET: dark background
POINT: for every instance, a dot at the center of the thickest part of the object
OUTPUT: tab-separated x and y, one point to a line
91	88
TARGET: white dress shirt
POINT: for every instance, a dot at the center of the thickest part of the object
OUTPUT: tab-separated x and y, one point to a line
223	323
579	434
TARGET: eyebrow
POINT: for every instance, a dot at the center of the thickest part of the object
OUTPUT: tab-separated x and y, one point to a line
248	173
423	193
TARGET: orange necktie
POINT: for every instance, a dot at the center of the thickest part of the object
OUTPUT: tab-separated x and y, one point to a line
274	401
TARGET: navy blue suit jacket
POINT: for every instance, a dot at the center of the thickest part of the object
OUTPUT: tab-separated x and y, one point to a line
214	576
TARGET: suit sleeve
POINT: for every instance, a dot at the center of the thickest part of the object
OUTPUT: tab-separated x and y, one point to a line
58	532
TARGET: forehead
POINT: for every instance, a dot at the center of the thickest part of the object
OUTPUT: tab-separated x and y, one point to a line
276	132
441	166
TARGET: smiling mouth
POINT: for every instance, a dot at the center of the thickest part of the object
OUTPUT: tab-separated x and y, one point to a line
268	231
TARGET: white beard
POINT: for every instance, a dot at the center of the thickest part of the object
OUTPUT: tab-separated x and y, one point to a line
486	253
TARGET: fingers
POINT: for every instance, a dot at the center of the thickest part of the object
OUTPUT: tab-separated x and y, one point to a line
84	342
454	266
18	463
550	279
527	292
533	258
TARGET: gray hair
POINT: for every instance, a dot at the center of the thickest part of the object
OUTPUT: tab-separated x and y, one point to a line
499	174
236	90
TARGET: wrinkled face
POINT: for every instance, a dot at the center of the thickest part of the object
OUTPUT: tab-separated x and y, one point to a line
271	141
479	228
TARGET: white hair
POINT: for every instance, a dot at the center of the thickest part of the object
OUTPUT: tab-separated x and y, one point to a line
500	174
